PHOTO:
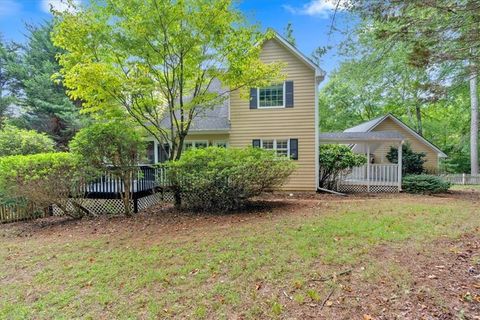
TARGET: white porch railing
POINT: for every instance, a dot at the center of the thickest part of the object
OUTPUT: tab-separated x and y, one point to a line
377	175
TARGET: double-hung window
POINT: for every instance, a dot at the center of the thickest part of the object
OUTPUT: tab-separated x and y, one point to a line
272	96
195	144
221	144
280	95
280	146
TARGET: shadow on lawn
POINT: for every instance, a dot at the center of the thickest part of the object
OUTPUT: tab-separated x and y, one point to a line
164	215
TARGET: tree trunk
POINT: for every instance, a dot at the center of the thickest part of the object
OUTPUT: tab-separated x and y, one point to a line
418	115
473	122
127	179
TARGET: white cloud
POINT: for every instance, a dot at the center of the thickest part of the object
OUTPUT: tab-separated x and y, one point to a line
322	8
58	5
9	8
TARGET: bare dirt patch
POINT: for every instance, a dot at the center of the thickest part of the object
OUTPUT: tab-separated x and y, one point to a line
439	280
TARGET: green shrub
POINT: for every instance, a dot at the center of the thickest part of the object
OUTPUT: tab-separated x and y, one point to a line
412	162
116	145
15	141
424	184
43	179
221	179
335	159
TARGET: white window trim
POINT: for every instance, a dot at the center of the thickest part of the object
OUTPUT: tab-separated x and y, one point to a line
155	153
194	143
273	107
275	144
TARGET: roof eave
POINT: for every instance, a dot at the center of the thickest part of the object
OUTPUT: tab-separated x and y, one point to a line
319	72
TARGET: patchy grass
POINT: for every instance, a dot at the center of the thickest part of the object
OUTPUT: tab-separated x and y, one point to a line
465	187
257	267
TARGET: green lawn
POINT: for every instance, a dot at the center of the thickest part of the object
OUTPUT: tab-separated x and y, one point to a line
234	266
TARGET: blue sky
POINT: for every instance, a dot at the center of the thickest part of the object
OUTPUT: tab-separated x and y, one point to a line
311	20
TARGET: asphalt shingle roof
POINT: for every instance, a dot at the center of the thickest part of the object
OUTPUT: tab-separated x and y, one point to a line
361	136
365	126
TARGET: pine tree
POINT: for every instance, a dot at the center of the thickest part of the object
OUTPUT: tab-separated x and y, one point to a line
47	107
9	85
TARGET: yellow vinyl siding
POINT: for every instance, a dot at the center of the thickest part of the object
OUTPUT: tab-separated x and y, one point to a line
282	123
388	124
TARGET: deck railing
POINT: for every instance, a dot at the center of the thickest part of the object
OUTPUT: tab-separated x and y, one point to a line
377	174
144	178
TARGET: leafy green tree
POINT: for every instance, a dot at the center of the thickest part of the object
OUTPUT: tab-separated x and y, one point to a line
158	60
47	107
375	80
334	160
15	141
114	146
434	32
412	162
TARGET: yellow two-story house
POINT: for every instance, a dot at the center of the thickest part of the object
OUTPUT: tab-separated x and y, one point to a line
282	117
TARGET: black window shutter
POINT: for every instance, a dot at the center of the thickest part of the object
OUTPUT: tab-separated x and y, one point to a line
253	98
294	149
256	143
289	94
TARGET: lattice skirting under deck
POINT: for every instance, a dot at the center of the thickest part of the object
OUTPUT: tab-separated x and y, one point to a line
151	200
115	206
351	188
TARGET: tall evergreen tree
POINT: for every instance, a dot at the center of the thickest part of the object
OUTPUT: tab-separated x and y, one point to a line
9	85
288	34
47	107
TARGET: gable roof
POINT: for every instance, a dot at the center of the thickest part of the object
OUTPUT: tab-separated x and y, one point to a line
353	137
372	124
319	72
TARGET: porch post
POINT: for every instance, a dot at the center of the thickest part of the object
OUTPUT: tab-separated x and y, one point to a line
400	164
368	167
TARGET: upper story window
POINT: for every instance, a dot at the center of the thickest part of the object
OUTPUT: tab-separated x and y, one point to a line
276	96
272	96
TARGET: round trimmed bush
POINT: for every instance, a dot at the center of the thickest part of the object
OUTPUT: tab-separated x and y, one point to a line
424	184
15	141
220	179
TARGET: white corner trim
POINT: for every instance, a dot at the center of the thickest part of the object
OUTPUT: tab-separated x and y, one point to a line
317	138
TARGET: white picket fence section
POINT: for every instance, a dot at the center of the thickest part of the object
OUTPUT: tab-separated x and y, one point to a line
461	178
380	175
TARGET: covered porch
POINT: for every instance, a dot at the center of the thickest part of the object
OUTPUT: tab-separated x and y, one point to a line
370	177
